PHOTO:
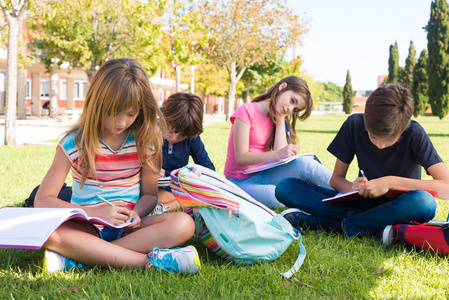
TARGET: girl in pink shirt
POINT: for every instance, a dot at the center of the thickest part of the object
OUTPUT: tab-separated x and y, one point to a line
259	135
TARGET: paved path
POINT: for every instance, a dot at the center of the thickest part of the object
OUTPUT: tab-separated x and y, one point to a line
40	130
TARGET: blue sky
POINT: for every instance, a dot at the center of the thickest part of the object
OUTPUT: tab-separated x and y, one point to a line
356	35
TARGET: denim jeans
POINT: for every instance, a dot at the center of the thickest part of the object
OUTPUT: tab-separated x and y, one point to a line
355	217
261	185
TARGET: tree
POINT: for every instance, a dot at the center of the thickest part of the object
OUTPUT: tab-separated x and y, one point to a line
243	32
13	13
187	37
410	62
420	85
348	94
211	79
393	64
331	92
85	33
438	61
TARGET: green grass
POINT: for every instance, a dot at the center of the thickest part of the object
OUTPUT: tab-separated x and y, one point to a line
336	267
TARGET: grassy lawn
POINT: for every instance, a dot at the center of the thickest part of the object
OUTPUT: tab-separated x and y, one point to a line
335	266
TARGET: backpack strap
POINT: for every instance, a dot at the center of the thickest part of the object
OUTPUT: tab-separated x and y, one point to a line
401	234
298	262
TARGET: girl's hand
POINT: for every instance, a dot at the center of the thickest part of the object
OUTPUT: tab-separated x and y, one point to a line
287	151
375	188
135	222
161	173
116	215
358	183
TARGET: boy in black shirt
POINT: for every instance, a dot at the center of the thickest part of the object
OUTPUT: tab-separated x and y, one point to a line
390	149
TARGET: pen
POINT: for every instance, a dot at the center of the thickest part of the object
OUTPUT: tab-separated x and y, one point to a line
363	173
288	133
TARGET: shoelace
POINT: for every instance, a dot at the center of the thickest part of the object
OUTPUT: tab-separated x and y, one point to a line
166	263
159	209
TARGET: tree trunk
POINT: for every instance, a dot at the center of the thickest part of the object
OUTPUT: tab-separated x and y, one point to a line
248	85
232	85
54	95
21	95
11	81
178	78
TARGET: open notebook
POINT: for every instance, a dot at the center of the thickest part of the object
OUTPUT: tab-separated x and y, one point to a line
276	163
29	228
354	196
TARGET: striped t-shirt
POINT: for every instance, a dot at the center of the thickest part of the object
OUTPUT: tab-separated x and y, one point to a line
118	173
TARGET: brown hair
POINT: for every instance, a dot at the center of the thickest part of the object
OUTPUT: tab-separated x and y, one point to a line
296	85
118	85
388	111
183	113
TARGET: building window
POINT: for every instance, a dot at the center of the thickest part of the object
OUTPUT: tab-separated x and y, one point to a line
63	89
28	89
80	89
45	88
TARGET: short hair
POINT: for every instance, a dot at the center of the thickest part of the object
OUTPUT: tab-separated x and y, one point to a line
388	111
183	113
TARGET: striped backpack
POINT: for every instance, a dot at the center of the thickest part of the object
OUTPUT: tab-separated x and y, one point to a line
231	223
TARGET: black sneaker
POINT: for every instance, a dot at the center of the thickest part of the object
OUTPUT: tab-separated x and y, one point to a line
300	218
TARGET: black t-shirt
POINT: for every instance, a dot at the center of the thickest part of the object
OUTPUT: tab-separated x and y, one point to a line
404	158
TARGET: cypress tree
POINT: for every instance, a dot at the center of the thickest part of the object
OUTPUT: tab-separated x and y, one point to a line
410	62
420	84
348	94
438	61
393	64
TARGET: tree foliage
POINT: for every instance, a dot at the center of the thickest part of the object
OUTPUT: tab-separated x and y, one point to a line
331	92
244	32
420	85
85	33
393	64
348	95
410	62
211	79
438	62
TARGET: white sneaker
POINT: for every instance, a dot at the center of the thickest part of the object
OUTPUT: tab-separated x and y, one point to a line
388	235
54	262
183	260
159	209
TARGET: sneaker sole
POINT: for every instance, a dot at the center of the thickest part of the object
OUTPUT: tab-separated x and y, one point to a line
196	261
291	210
51	260
388	235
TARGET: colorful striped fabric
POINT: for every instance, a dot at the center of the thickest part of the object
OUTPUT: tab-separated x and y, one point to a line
191	192
118	173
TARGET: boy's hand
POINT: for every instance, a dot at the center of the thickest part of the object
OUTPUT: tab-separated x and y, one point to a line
135	222
374	188
161	173
358	183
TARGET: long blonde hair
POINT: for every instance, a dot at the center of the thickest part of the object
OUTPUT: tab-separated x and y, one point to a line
118	85
296	85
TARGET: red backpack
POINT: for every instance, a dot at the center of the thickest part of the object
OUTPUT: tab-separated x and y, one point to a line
430	237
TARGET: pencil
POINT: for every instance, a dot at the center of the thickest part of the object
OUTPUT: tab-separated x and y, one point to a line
288	133
103	199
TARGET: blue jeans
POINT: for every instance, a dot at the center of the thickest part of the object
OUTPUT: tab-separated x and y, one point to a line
261	185
355	217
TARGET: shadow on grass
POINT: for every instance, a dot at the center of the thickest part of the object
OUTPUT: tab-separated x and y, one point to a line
319	131
443	135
